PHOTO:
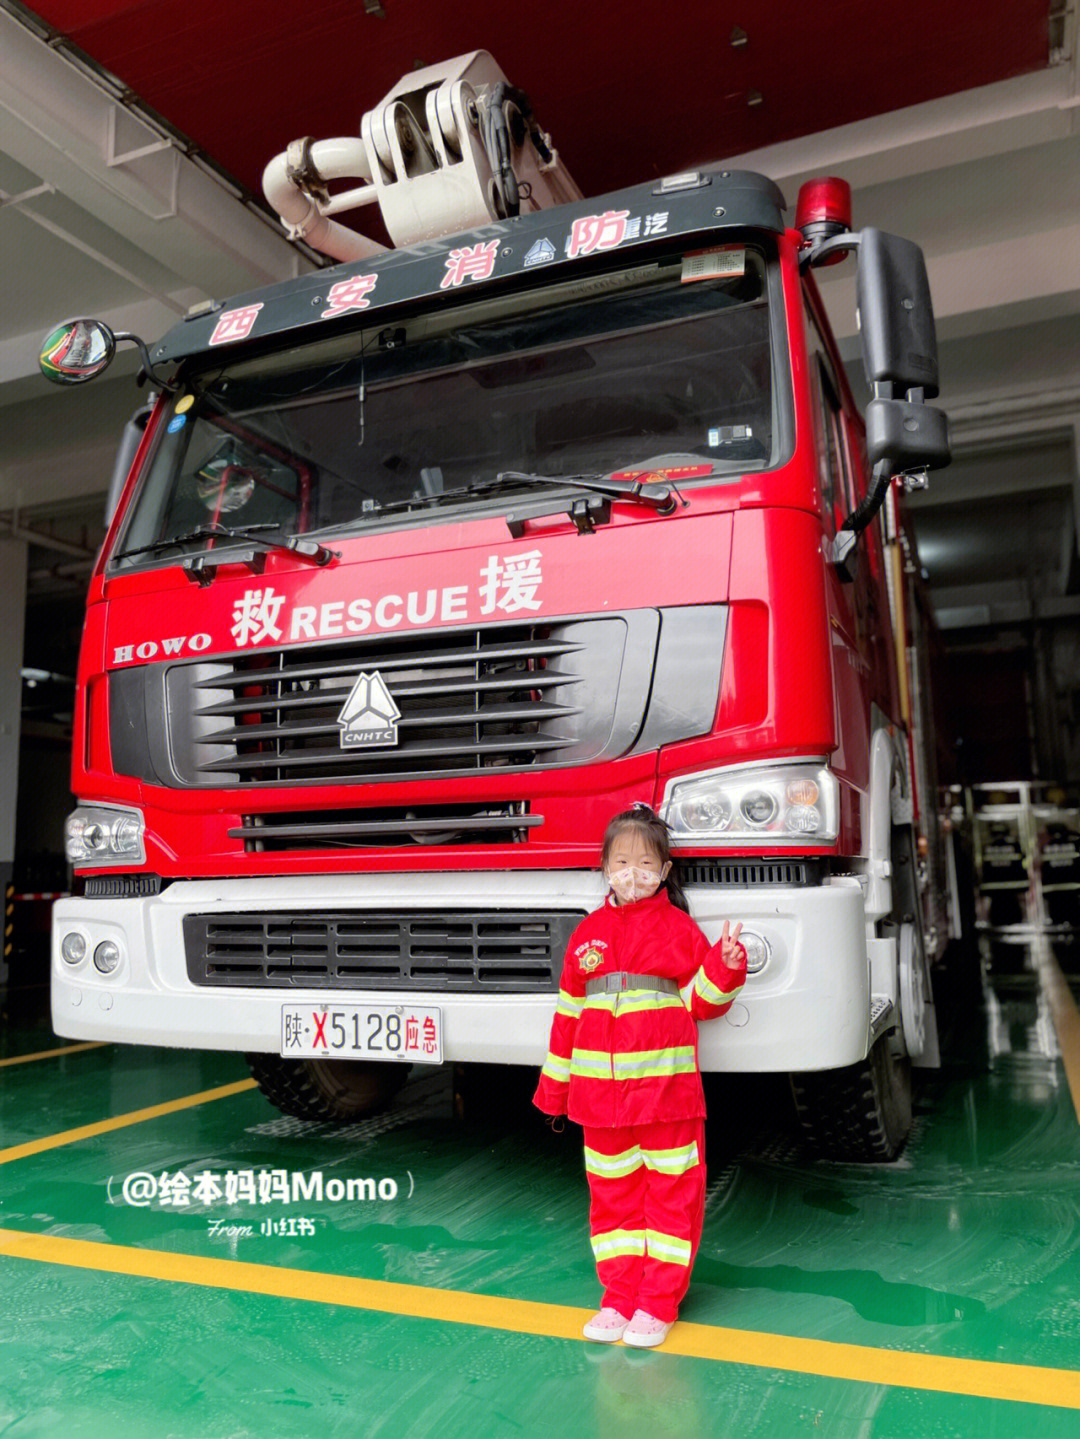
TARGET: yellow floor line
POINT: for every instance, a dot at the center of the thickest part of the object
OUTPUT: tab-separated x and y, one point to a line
52	1053
1066	1019
1022	1383
121	1121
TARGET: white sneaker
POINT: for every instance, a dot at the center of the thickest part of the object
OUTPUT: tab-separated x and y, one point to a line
644	1331
605	1327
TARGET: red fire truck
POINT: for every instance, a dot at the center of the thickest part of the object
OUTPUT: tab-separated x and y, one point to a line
427	563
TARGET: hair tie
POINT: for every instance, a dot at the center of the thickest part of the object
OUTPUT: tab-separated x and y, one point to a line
640	804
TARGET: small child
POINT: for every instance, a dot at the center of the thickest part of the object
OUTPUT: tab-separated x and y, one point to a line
622	1062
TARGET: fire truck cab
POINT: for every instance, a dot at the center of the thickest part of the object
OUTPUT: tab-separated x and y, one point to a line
429	562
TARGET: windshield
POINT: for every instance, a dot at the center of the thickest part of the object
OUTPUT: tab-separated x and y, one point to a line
615	373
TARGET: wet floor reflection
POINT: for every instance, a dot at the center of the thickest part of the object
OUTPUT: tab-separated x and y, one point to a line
1020	1021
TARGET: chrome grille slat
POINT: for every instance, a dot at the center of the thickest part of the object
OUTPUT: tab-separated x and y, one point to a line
403	752
489	822
414	658
552	679
450	718
345	828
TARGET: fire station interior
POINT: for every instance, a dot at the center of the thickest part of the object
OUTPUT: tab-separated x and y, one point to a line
931	1295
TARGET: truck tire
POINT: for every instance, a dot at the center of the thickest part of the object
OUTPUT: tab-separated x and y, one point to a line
861	1114
326	1089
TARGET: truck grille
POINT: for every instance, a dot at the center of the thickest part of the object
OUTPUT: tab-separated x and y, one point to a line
506	822
497	951
745	874
503	696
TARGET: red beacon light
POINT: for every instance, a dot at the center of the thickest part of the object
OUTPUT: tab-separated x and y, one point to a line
824	210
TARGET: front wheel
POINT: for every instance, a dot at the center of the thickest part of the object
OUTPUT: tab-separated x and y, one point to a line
326	1089
861	1114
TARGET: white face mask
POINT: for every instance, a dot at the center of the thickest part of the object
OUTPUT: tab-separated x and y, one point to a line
632	883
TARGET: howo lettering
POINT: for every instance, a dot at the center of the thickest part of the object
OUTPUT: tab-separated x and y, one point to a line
429	562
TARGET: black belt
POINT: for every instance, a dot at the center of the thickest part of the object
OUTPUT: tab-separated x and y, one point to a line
616	983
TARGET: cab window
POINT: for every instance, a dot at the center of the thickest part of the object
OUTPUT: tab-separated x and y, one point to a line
838	497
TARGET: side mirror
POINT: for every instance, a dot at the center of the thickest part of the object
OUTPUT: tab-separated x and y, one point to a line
899	346
896	317
906	436
77	351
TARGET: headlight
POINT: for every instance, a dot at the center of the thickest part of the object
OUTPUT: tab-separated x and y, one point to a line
73	947
758	950
770	804
98	834
758	808
107	956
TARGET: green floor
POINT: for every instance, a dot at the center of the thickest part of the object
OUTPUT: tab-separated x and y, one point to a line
967	1248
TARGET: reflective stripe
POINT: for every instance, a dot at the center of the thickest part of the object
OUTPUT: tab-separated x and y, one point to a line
570	1004
555	1067
591	1064
634	1001
612	1166
667	1246
671	1161
654	1063
616	1242
709	992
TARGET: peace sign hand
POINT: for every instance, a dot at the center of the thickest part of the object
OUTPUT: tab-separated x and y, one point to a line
731	951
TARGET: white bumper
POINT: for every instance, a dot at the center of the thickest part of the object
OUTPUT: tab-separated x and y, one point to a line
807	1009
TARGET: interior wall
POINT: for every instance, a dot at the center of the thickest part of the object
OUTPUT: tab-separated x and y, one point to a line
12	600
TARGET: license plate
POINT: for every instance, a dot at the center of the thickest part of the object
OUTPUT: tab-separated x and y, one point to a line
362	1031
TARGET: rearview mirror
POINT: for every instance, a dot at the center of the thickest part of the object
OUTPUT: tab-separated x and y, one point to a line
896	317
906	436
77	351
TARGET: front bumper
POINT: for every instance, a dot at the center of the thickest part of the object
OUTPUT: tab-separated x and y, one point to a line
807	1009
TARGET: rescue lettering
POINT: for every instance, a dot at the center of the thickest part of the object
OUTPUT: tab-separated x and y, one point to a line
261	615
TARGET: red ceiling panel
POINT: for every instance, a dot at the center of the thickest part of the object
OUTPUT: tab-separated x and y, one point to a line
627	92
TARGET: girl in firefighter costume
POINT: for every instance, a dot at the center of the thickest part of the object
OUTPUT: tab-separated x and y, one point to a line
622	1063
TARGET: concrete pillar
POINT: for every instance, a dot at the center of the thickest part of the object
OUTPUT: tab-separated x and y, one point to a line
12	619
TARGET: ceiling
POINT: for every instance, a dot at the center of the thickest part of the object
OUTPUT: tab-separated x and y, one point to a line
134	135
649	95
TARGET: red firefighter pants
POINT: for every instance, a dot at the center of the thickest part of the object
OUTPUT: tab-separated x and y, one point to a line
647	1189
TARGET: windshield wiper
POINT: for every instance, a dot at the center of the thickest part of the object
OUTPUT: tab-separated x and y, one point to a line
305	548
658	497
438	497
200	532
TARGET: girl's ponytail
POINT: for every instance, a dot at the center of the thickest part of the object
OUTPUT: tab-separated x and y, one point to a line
675	890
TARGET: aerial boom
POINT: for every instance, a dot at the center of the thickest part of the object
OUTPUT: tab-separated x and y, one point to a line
450	147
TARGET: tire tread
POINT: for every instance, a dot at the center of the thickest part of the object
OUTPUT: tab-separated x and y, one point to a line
300	1088
860	1114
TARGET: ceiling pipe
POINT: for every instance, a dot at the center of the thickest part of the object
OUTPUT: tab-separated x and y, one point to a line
14	531
72	573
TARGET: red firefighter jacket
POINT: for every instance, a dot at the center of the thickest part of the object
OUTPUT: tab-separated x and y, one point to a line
631	1057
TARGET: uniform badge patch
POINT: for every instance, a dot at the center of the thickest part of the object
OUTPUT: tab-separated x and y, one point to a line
591	959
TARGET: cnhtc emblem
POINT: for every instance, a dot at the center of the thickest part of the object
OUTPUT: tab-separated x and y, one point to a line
369	716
